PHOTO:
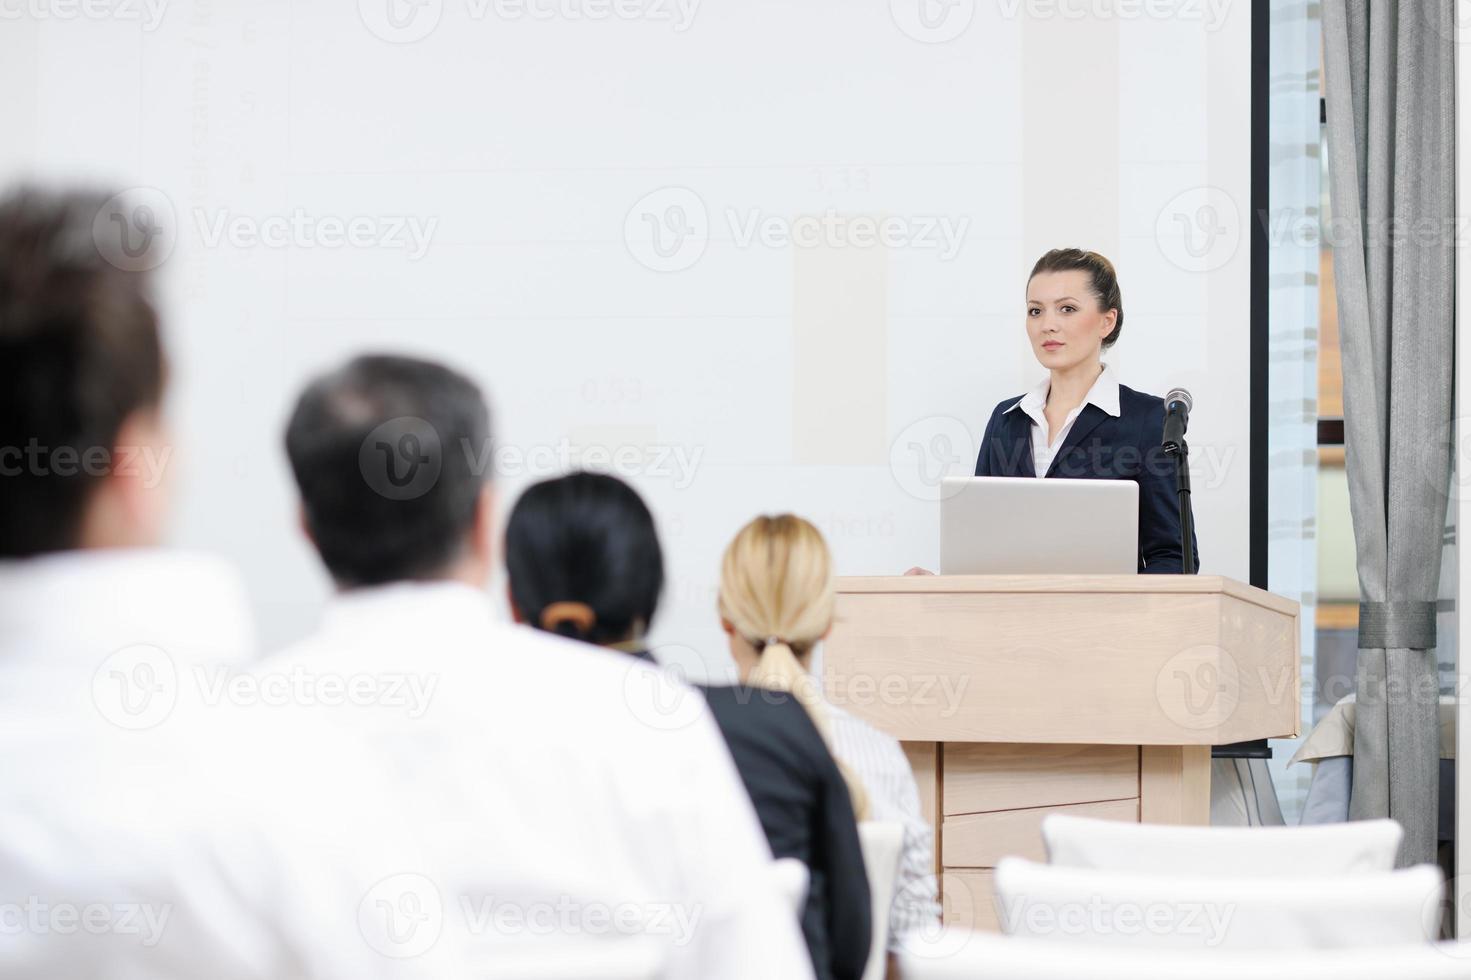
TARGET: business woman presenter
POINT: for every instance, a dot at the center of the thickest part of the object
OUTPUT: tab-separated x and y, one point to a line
1079	422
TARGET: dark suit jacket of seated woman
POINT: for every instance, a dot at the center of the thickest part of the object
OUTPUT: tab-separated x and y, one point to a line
1103	444
803	804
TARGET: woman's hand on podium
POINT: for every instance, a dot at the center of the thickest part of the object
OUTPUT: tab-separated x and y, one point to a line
916	570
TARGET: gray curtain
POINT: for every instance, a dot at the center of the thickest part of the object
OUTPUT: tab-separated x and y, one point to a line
1389	82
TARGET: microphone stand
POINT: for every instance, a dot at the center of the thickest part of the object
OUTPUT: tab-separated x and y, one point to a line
1180	451
1256	748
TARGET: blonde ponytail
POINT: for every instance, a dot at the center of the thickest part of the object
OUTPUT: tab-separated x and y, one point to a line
776	589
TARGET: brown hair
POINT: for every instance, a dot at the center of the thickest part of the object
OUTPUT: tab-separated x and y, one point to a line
1102	280
80	353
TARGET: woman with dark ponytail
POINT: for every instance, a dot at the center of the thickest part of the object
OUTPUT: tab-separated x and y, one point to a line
584	562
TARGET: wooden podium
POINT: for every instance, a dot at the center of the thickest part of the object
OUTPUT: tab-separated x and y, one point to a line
1096	695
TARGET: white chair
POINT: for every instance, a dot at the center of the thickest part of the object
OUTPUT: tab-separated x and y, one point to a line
980	956
881	842
1202	912
1237	852
791	877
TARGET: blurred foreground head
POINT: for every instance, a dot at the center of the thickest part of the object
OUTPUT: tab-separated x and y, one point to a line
83	451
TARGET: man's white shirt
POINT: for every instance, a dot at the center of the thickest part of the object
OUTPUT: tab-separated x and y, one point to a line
146	830
568	798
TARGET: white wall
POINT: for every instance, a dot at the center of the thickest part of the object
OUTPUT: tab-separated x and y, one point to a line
540	148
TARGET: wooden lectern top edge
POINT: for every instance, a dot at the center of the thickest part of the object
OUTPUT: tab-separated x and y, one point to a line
1164	584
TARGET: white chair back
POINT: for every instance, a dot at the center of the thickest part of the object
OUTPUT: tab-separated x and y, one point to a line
1203	912
882	842
980	956
791	878
1237	852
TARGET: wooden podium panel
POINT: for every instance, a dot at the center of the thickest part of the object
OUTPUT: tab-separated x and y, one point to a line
1021	696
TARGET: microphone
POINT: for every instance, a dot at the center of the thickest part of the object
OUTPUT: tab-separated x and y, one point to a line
1177	416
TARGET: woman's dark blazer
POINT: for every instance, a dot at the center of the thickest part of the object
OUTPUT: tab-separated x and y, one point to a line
1101	447
802	802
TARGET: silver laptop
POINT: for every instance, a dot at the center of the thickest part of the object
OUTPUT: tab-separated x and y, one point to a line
1025	526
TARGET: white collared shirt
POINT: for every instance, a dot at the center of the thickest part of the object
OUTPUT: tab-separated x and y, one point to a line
565	794
881	766
1104	394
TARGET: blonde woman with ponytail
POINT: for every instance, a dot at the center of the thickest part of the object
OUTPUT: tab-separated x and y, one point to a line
776	605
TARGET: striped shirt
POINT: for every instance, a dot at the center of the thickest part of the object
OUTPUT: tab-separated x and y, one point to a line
880	764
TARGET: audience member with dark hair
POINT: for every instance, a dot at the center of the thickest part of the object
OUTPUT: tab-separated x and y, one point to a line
584	561
409	433
531	773
83	446
129	794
